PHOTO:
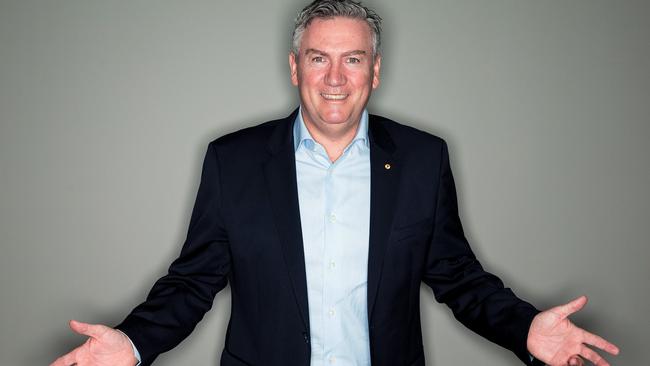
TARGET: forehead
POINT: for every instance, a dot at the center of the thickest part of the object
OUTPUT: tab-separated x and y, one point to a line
337	34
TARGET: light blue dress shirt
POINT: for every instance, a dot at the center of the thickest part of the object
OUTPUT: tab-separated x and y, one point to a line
334	201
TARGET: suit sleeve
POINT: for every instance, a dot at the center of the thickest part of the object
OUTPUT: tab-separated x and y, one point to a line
178	300
477	298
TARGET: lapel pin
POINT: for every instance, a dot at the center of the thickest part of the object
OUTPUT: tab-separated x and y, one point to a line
387	166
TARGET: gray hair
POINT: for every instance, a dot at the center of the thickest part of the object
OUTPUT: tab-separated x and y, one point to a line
336	8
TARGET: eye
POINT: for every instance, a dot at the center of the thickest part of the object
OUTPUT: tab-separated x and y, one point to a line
353	60
318	59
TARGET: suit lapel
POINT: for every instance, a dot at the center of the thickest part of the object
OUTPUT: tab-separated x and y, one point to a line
280	173
384	179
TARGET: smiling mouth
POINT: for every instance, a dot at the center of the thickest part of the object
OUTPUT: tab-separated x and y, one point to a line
334	96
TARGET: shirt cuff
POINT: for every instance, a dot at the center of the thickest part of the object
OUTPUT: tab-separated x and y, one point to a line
135	350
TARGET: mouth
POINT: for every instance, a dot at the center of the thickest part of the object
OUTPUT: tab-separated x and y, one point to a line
334	96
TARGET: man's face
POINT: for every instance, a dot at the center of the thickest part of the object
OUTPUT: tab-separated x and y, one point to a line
335	71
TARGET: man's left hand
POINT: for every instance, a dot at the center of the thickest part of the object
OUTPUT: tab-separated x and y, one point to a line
555	340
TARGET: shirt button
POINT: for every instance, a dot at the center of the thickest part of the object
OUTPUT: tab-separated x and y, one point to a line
332	218
332	312
332	360
332	264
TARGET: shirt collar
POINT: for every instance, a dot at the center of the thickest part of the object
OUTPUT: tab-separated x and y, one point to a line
301	133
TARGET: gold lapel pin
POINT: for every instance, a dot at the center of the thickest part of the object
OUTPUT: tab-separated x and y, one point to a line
387	166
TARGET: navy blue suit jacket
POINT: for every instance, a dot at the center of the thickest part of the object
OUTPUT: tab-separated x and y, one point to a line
245	230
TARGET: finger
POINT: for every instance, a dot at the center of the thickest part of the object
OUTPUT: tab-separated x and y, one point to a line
91	330
592	356
66	360
570	307
601	343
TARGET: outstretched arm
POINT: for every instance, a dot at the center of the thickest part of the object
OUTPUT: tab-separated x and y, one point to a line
481	302
178	300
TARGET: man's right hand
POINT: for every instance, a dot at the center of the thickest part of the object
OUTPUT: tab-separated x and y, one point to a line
105	347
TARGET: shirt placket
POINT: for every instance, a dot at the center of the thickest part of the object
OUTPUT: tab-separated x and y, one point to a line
332	281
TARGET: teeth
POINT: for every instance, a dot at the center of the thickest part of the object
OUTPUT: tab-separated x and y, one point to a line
334	96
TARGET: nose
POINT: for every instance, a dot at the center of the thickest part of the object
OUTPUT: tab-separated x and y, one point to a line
335	75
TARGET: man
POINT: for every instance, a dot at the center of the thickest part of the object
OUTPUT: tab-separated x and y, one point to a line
325	223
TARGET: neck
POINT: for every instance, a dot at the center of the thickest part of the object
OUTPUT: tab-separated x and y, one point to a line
334	138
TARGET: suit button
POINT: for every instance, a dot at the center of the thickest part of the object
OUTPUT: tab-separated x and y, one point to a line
305	336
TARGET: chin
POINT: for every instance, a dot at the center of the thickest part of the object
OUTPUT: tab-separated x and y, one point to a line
336	118
335	121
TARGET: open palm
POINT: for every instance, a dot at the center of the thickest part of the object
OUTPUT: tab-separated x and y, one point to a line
104	347
555	340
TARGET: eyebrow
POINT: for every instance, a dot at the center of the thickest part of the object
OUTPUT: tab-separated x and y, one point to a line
349	53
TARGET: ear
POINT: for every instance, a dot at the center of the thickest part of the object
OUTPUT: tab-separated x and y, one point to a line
375	74
293	68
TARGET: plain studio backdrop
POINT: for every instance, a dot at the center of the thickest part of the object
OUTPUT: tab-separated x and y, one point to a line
107	107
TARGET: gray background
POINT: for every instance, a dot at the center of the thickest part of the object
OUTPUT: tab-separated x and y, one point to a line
106	108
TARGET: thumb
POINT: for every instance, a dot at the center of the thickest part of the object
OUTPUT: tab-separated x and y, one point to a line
571	307
91	330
